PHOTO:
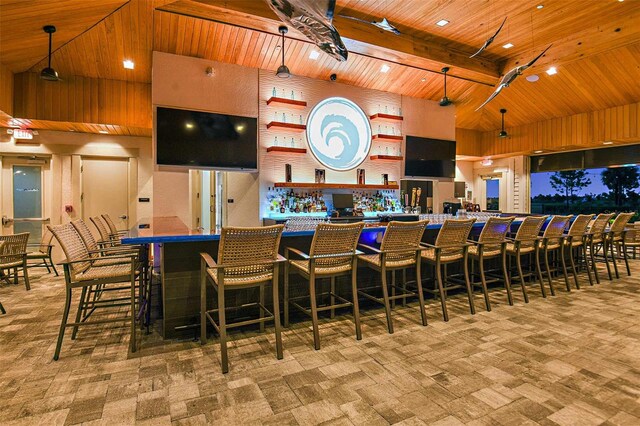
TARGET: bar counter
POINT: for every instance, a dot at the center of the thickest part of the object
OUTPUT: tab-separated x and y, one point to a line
177	252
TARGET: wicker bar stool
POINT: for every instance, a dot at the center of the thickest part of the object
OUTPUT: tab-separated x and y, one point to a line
596	241
107	238
42	253
400	250
632	239
247	258
575	241
14	258
333	254
2	310
492	244
615	237
552	241
451	246
525	243
112	226
81	272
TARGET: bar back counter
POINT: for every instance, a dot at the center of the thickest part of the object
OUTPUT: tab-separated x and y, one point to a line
179	248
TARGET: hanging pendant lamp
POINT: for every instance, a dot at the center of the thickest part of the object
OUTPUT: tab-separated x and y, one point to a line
283	70
503	133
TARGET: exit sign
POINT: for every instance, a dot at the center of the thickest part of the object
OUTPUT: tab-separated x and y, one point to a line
22	134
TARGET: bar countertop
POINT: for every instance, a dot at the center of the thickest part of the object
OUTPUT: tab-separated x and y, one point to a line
172	230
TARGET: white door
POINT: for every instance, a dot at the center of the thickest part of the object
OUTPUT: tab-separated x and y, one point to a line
105	189
23	201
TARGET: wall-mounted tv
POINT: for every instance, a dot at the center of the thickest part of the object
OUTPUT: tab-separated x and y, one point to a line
426	157
198	139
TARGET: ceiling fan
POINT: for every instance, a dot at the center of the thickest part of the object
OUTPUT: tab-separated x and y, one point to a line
445	101
48	73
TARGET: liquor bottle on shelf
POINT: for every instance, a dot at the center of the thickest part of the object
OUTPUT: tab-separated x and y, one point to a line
301	119
284	117
293	97
386	109
275	116
293	144
273	92
275	141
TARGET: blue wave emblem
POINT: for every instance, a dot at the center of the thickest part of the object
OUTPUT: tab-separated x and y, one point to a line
338	134
340	141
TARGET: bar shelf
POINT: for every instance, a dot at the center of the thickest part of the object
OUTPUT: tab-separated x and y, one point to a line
286	102
313	185
287	149
292	127
386	157
386	117
387	138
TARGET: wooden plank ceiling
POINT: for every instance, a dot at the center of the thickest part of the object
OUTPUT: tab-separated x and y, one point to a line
596	48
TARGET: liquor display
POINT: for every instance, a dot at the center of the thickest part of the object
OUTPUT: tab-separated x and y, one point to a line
292	202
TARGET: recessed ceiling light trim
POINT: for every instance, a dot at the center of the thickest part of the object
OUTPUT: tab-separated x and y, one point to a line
314	55
552	71
128	64
442	22
385	68
508	46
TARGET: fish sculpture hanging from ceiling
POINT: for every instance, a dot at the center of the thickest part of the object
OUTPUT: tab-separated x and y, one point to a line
313	18
383	25
509	77
489	40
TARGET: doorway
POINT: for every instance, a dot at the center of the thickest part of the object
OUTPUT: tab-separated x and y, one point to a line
105	189
23	198
493	194
207	194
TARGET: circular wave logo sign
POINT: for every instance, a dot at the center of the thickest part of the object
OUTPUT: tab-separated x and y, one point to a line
339	134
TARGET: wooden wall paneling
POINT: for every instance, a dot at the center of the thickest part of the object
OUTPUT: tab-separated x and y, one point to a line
6	90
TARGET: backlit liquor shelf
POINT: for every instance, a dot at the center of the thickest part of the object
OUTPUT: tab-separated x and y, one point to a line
274	100
312	185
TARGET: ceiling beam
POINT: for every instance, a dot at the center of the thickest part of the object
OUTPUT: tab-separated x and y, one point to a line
361	38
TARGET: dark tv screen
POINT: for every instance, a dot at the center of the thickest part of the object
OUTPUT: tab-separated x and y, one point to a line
205	140
430	157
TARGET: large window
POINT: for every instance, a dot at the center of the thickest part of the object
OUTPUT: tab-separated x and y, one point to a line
597	190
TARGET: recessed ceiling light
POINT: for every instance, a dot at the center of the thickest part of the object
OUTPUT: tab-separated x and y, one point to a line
104	132
442	22
384	68
538	151
423	80
532	78
189	125
508	46
620	1
552	71
607	143
539	6
314	55
128	64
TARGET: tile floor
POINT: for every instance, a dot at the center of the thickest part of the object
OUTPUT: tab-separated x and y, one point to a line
572	359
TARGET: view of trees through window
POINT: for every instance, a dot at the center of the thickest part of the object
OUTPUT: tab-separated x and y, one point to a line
614	189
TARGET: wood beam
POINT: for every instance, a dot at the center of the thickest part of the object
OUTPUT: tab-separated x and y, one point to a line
360	38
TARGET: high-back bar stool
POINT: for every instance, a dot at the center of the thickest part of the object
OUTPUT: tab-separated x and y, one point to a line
596	241
14	258
451	246
400	250
575	244
247	258
41	252
333	254
491	244
552	242
81	273
525	243
632	239
615	237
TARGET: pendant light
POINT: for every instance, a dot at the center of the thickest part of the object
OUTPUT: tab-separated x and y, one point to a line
445	101
283	70
49	73
503	133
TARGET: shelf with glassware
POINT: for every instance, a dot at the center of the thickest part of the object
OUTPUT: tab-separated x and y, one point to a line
385	117
286	149
387	138
284	102
385	157
313	185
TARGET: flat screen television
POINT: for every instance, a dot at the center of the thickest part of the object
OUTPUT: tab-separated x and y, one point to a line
206	140
427	157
